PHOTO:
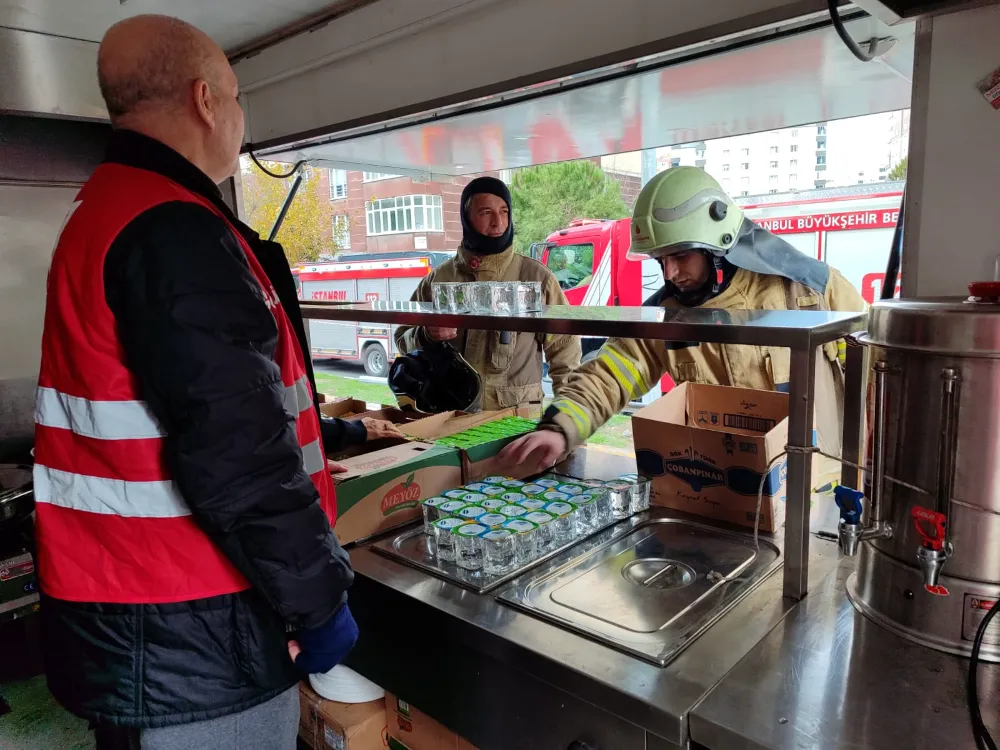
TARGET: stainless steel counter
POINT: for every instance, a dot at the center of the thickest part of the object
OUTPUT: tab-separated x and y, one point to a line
827	677
505	679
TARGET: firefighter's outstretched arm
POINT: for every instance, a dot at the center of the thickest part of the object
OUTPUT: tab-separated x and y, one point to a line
623	370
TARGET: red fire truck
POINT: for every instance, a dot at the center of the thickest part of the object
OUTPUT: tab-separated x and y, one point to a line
361	278
849	228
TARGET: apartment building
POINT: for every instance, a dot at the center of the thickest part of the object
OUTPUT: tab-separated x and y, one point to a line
854	151
376	212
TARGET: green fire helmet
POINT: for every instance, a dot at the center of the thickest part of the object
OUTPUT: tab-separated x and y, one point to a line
683	209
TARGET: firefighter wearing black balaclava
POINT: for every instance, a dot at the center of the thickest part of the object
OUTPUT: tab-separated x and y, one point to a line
509	363
712	256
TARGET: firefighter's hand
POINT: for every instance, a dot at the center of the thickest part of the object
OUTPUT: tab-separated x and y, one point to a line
334	467
441	334
539	450
380	428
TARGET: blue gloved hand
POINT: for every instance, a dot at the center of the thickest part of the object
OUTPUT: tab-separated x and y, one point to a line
321	649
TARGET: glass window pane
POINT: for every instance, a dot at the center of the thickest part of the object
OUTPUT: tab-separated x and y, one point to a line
418	200
406	200
378	223
418	216
409	220
572	265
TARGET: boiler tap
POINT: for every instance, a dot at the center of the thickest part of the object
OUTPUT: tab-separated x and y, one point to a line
934	549
850	531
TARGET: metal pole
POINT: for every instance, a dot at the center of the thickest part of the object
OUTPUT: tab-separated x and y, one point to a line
799	486
854	402
284	207
648	165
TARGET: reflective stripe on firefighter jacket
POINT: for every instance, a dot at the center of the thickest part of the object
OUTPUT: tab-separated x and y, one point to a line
625	369
111	524
511	366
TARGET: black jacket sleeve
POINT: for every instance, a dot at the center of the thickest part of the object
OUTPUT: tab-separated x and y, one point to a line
200	340
340	433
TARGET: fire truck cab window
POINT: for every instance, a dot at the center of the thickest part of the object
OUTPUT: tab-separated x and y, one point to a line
573	265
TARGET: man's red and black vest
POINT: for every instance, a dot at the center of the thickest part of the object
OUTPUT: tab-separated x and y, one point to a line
111	525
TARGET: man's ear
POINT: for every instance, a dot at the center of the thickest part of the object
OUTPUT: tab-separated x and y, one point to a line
204	102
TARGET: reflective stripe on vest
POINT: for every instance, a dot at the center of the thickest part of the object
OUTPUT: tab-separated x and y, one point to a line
111	524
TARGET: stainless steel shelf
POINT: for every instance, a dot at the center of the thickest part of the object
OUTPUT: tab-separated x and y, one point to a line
802	331
791	328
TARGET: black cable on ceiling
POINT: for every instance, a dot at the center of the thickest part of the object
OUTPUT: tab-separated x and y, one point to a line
275	175
853	46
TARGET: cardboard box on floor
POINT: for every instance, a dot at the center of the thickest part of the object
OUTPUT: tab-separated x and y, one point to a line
411	729
480	461
328	725
705	448
382	489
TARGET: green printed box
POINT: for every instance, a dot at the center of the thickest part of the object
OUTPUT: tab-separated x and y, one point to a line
383	489
479	459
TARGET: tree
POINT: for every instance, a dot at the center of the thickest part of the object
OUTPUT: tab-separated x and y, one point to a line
898	172
306	232
548	197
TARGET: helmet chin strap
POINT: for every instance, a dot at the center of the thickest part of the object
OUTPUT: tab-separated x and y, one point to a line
709	289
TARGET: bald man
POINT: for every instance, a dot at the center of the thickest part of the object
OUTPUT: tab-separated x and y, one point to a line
184	505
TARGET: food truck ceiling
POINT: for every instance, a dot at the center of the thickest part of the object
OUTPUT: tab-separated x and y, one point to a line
234	24
799	77
48	48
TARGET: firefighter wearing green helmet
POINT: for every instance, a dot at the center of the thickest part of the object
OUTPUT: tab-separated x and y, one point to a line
712	256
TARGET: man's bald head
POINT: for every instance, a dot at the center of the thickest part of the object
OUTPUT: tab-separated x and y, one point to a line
166	79
150	62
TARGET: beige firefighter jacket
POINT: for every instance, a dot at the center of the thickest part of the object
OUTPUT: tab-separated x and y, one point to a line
625	369
511	372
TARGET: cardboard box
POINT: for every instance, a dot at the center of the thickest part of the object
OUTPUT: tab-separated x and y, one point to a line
480	461
360	409
705	448
341	406
328	725
411	729
383	489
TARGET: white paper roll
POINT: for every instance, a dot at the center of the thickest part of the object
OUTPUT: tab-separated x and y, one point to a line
344	685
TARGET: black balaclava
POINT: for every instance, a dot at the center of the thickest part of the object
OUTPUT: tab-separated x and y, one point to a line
473	241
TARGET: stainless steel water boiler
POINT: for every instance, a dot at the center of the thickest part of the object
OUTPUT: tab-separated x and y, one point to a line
929	541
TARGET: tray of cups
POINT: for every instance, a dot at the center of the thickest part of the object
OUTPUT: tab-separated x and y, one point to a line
489	532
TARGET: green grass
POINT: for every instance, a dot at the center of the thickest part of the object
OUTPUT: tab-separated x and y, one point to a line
617	433
339	387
